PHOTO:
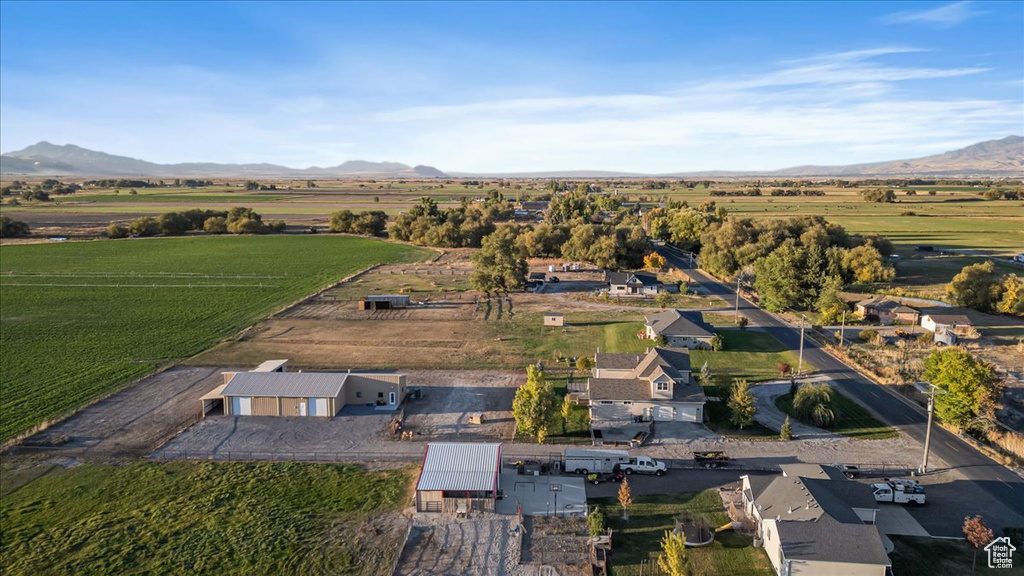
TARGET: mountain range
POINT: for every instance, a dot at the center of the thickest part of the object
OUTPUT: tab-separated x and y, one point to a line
1004	157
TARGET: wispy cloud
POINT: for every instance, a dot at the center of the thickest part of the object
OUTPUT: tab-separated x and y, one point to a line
946	16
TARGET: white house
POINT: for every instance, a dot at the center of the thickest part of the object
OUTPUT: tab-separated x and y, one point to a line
958	324
633	284
652	386
811	520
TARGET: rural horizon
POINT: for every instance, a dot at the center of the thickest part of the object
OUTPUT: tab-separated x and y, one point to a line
505	288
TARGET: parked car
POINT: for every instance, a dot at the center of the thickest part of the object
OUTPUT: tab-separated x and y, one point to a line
553	279
847	470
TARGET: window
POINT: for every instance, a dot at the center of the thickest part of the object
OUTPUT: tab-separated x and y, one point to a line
380	394
359	394
627	403
662	386
606	402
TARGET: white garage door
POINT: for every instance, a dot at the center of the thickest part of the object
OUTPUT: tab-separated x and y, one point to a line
241	405
664	413
318	407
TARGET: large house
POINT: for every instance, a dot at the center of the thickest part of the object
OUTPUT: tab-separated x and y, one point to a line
887	310
680	329
633	284
270	390
652	386
812	520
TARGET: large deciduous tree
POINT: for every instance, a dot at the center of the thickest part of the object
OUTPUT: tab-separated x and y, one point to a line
741	405
499	266
975	286
971	386
533	404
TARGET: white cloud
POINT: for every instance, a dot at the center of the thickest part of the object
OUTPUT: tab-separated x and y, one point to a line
946	16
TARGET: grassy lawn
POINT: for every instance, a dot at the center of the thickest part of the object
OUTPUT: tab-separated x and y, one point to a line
854	420
584	333
578	424
203	518
81	318
916	556
748	354
639	538
927	276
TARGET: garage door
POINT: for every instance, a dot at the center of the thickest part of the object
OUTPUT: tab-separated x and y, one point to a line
241	405
318	407
664	413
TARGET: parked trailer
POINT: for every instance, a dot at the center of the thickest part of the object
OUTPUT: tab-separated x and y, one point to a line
710	459
582	461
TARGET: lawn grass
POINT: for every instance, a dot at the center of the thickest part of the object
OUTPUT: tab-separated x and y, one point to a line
927	276
583	335
854	420
639	538
203	518
917	556
81	318
749	354
578	424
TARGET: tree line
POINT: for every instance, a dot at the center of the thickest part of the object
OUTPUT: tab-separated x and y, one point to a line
238	220
978	286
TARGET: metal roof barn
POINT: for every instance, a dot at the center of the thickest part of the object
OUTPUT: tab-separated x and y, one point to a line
286	384
460	466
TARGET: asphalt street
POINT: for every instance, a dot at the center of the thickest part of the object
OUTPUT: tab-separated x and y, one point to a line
987	475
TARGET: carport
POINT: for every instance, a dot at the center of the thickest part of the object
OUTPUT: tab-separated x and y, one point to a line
213	401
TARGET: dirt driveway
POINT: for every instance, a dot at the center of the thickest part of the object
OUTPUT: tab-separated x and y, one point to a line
450	397
134	420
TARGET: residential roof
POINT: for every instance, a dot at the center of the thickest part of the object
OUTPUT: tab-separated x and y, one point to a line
606	361
460	466
883	303
813	506
950	319
827	540
677	323
286	384
215	394
553	314
385	297
644	278
636	389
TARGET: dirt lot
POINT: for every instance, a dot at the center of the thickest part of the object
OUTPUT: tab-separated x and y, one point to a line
134	420
450	397
483	545
563	543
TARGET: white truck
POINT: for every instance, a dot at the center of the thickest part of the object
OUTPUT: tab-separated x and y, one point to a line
899	491
644	465
583	461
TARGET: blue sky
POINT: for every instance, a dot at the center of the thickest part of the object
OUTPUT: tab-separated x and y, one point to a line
644	87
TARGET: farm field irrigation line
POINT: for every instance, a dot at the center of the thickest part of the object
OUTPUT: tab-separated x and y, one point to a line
87	285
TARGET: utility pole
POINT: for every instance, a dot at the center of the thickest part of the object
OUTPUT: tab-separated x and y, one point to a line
932	391
738	277
842	331
800	365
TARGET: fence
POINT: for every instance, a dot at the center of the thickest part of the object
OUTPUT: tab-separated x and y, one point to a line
248	456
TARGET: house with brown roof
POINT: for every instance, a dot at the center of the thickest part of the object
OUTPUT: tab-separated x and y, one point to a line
680	329
657	385
887	310
813	520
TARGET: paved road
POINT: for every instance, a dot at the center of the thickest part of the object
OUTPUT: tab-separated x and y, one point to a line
988	476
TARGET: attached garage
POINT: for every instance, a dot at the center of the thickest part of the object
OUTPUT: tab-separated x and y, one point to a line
459	477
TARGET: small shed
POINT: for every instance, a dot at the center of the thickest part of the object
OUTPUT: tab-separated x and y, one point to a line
458	477
554	319
384	302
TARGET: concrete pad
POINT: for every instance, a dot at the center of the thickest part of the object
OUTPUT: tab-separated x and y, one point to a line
537	497
896	520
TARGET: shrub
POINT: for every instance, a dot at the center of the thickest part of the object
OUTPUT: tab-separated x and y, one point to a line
868	335
144	226
596	521
717	343
12	228
743	322
115	230
787	430
216	225
783	368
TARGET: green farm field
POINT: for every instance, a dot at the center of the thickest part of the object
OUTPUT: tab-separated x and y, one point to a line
81	319
203	518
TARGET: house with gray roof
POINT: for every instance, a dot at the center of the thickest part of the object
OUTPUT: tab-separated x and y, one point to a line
270	390
813	520
656	385
887	310
958	324
680	329
633	284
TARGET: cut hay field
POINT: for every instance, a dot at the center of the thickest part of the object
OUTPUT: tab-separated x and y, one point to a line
204	518
79	319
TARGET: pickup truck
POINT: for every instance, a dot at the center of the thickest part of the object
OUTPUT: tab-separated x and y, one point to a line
643	465
849	471
899	492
